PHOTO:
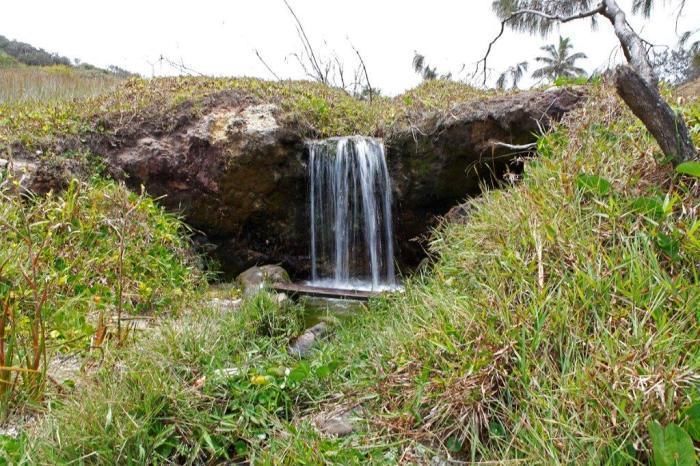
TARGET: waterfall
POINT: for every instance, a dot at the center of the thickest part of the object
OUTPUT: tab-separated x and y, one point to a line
350	210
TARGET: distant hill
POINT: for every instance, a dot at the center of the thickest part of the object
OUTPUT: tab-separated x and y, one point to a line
16	53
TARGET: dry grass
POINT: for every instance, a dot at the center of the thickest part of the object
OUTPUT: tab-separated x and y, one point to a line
54	83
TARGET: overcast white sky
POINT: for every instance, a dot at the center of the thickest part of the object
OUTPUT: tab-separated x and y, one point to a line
219	37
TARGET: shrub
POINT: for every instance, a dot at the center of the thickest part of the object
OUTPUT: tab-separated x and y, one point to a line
69	262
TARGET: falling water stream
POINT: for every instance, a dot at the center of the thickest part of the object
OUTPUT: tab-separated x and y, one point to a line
350	210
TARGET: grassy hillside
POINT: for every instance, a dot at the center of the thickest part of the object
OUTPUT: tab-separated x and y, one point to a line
322	110
558	324
30	85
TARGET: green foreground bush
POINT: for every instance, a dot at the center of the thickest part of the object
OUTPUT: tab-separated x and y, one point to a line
68	264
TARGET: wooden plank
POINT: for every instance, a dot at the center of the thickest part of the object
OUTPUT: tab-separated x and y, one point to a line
295	288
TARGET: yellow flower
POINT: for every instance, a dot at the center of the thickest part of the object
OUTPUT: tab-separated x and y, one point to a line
260	379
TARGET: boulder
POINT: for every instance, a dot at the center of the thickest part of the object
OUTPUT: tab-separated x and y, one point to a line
253	279
301	347
339	422
338	426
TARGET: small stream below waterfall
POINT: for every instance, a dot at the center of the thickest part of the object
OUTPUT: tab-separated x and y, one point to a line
352	241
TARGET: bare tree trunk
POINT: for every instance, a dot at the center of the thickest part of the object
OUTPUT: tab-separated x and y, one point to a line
663	123
637	84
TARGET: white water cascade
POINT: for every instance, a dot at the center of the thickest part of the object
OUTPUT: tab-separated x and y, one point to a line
350	210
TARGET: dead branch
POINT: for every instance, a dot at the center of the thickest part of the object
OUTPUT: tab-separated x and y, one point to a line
257	53
530	146
307	46
179	66
364	69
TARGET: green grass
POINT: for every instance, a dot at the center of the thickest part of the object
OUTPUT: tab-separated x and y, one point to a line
70	262
7	61
316	109
558	324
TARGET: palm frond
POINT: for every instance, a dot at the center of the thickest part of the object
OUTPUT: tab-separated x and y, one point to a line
576	56
418	62
643	6
536	24
541	73
501	81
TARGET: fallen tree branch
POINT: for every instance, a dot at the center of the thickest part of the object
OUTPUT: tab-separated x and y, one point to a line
532	145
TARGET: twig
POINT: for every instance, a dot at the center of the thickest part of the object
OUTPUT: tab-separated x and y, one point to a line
257	53
532	145
181	66
364	68
307	45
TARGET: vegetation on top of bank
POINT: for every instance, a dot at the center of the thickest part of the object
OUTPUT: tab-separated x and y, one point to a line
319	109
45	86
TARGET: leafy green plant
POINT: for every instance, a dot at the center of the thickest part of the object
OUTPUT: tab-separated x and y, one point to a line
12	449
593	184
691	421
671	445
95	249
689	168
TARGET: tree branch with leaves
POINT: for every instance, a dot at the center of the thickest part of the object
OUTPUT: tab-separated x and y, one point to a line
636	82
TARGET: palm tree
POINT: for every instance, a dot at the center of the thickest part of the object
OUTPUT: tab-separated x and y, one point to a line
558	63
636	82
693	48
421	67
515	73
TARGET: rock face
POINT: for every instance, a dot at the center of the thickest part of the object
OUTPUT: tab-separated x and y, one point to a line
236	173
446	156
238	170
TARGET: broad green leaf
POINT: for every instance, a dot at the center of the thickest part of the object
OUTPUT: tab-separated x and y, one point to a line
593	184
651	207
671	446
299	373
671	246
691	422
691	168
